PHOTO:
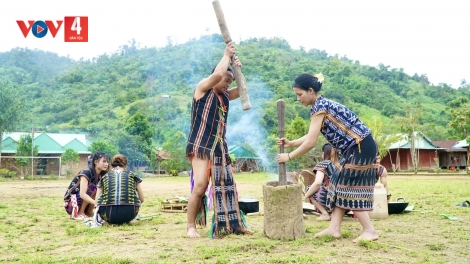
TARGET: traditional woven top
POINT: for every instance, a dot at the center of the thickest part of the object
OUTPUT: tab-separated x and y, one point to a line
328	168
119	188
341	127
208	126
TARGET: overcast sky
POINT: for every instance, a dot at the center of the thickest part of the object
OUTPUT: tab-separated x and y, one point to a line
421	36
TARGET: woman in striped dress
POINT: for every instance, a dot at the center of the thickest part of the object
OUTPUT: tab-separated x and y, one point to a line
208	152
352	187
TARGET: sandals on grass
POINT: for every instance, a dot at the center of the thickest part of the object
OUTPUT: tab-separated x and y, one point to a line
464	204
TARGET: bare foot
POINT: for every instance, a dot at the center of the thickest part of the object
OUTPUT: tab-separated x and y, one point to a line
192	232
335	234
324	217
367	236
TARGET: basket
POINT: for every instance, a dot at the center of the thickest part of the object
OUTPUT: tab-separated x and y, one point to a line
308	176
174	206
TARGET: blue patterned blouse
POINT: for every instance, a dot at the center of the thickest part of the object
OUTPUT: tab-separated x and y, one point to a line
341	127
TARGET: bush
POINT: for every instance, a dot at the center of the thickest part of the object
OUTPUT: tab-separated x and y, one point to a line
3	173
139	174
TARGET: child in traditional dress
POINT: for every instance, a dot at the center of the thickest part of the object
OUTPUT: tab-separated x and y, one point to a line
79	197
317	192
352	187
208	152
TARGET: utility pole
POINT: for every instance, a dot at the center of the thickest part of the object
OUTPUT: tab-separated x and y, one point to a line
32	152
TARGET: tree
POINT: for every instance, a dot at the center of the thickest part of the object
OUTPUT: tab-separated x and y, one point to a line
140	136
13	109
70	157
298	128
410	125
137	125
138	152
176	146
24	149
105	147
460	112
383	141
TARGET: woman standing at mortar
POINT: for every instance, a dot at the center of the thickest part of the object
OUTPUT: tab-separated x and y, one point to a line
352	187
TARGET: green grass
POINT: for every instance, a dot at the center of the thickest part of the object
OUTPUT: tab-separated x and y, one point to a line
34	228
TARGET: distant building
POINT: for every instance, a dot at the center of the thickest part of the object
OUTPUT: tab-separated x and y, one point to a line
245	160
452	155
49	145
399	156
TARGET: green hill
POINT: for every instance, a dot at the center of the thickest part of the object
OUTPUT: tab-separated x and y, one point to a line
98	96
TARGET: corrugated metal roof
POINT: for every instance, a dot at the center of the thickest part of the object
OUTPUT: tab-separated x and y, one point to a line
48	143
461	144
445	143
241	153
421	142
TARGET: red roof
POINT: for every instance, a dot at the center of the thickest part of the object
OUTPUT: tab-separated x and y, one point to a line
447	144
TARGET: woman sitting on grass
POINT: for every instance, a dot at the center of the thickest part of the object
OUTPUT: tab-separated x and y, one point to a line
317	192
79	198
119	194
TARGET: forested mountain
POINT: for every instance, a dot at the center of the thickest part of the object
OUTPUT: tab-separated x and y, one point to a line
99	96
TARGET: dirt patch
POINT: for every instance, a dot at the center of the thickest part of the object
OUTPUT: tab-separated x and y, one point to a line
34	228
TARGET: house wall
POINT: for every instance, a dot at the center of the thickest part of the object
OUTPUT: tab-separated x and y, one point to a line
7	163
245	165
50	167
445	159
403	160
83	164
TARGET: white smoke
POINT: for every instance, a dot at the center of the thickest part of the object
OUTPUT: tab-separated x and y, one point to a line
244	127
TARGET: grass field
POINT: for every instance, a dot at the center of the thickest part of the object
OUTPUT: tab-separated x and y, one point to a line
34	228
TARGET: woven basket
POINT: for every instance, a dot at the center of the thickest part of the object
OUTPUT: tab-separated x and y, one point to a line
309	177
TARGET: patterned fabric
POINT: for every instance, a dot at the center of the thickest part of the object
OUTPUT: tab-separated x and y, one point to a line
341	127
72	200
227	218
380	171
328	168
118	214
119	188
208	127
352	187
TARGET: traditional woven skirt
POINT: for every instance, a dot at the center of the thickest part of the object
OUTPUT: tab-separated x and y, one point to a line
73	205
223	196
319	196
118	214
352	187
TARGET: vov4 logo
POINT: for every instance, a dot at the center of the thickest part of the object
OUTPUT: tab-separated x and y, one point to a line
75	28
